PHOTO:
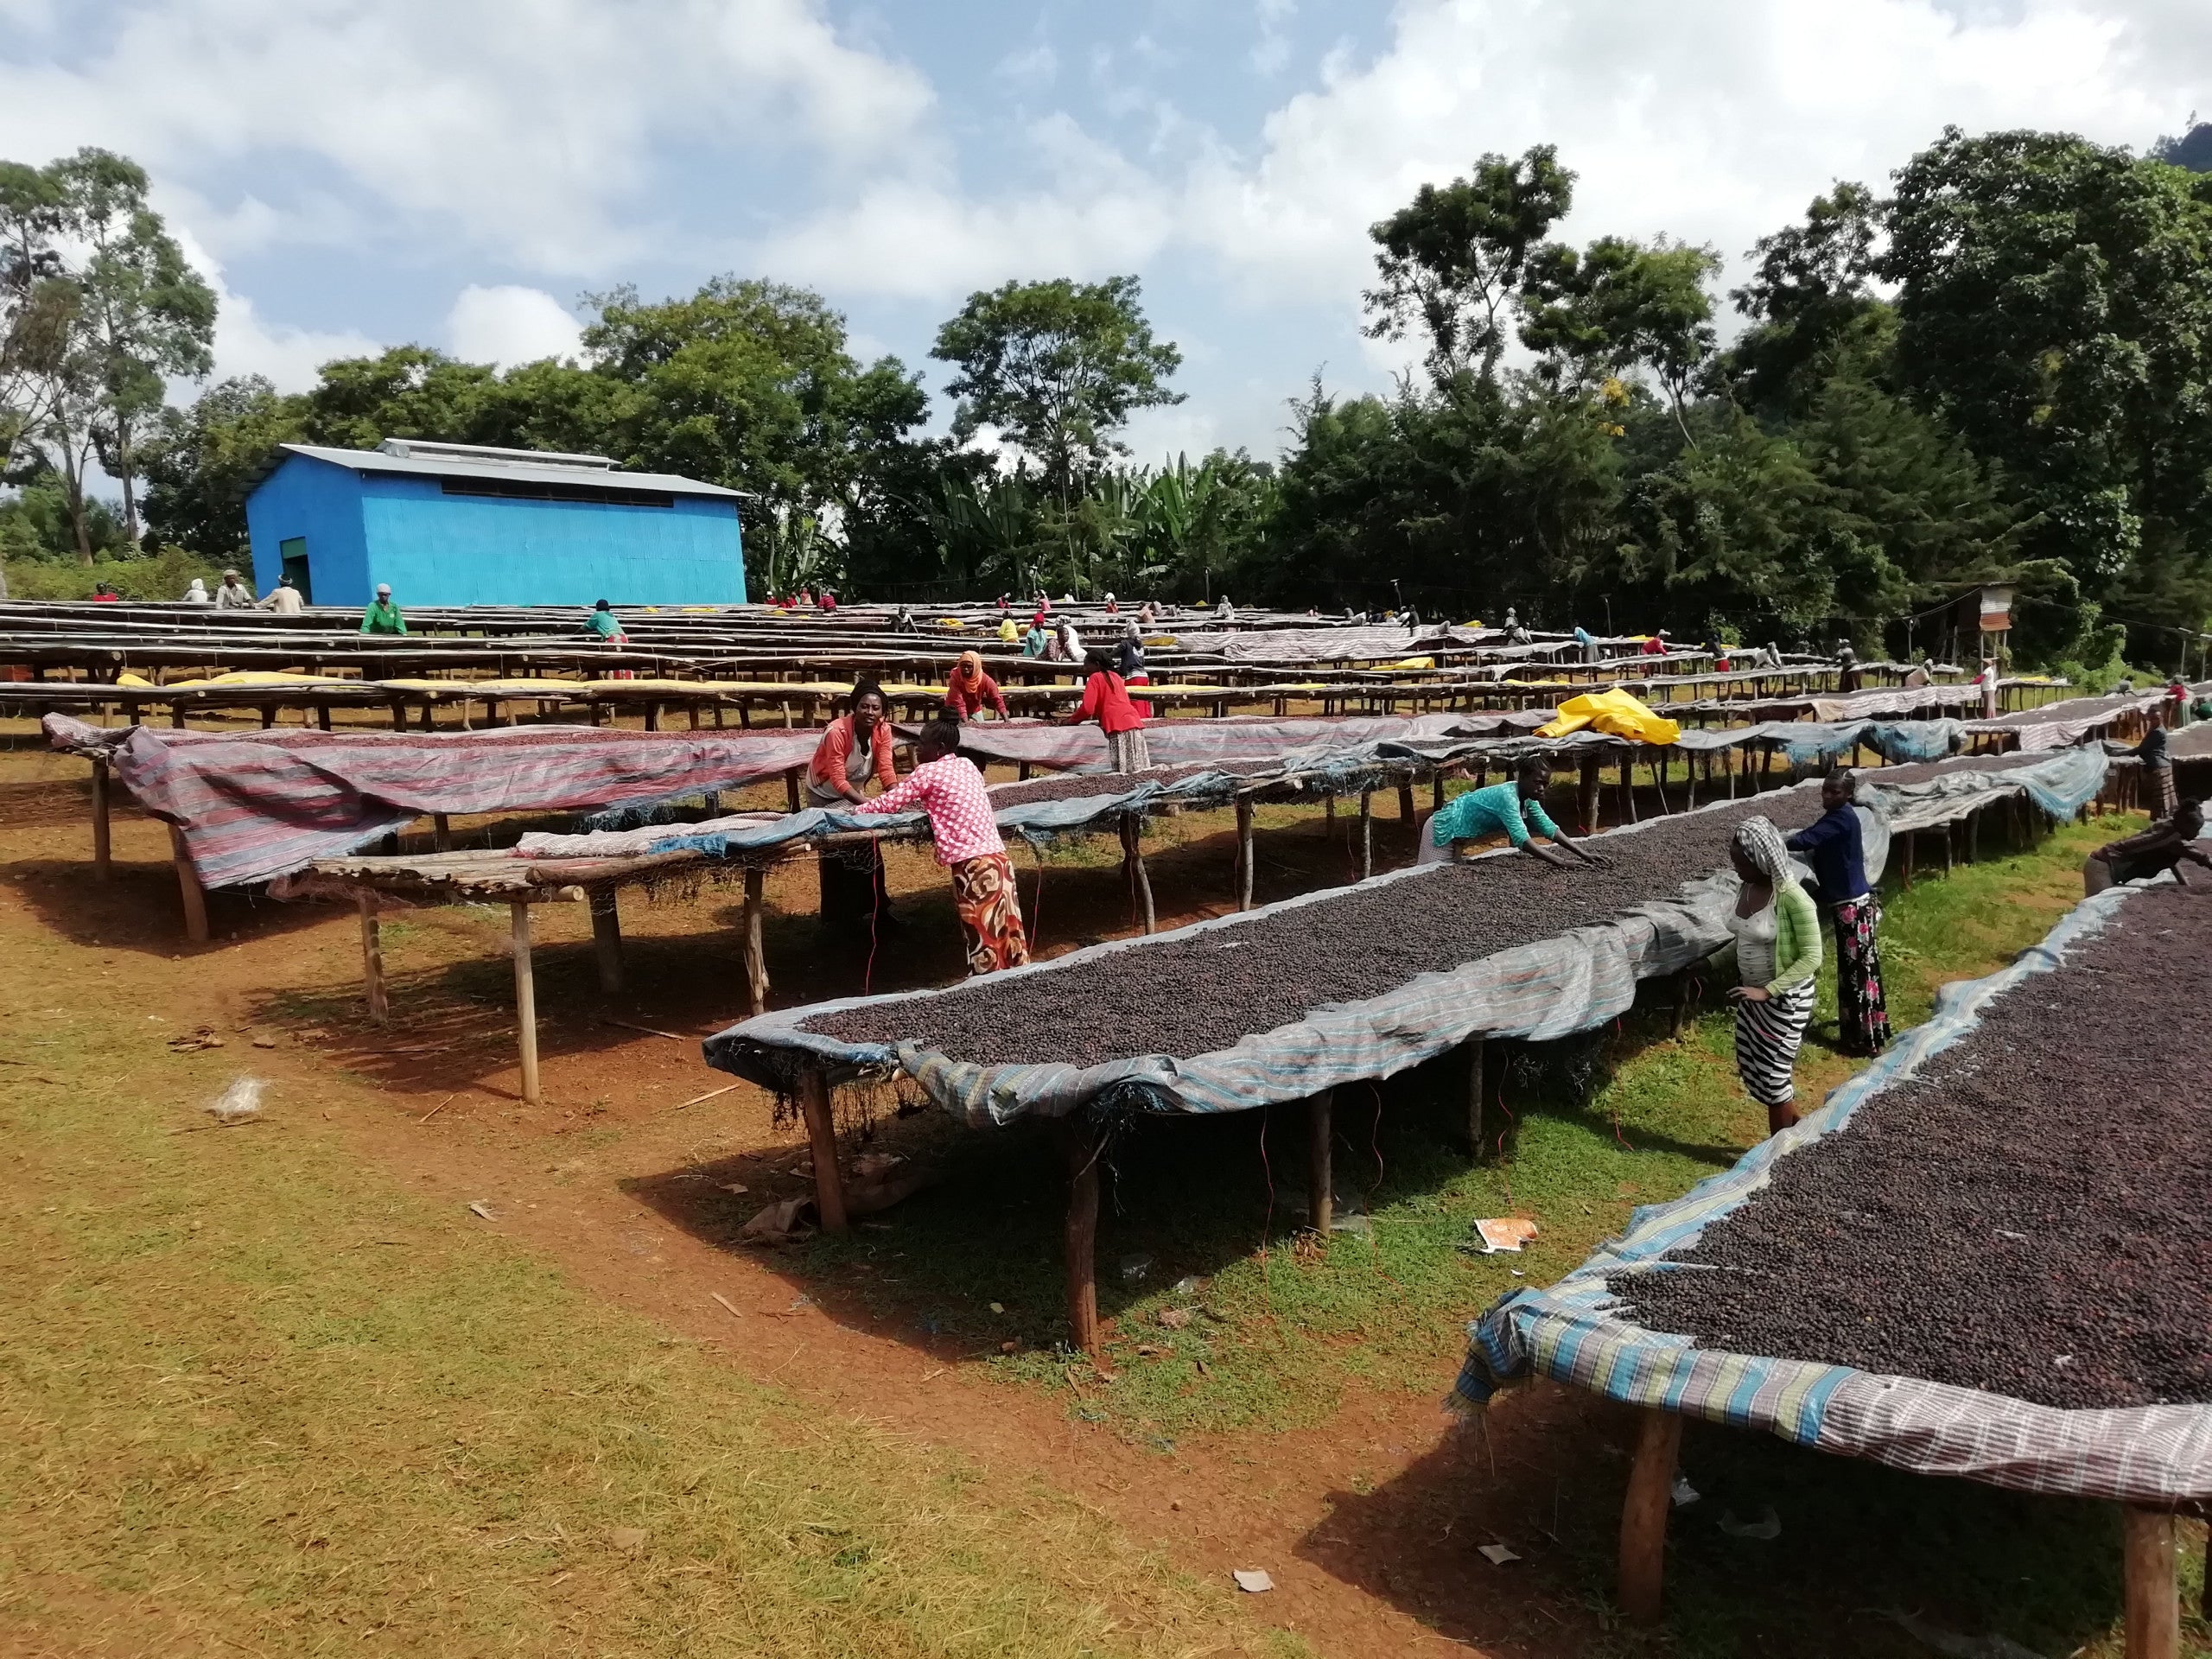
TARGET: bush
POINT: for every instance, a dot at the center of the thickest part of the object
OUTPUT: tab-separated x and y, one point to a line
160	575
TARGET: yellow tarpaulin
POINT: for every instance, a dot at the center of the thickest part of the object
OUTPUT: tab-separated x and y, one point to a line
1615	713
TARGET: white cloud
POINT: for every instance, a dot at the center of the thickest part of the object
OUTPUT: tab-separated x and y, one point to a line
1272	51
508	325
286	354
530	127
1036	68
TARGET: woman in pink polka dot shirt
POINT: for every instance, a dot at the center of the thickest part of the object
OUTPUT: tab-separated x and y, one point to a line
948	787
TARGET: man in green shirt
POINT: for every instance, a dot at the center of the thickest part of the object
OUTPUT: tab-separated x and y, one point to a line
1514	810
383	616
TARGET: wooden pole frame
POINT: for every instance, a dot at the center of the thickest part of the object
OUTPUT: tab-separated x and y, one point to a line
1321	1191
606	939
1644	1517
102	845
1475	1049
814	1106
1244	852
756	955
1082	1146
193	896
525	999
2150	1596
373	982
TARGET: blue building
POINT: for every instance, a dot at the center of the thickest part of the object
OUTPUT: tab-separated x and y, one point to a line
459	523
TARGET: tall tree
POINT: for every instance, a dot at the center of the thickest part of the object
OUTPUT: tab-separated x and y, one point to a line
201	463
1058	368
1621	305
1811	287
145	317
38	303
2055	305
1451	262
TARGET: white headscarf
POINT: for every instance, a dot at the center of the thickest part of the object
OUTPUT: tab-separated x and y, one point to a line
1762	845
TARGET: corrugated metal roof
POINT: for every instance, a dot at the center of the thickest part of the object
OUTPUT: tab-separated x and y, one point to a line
569	475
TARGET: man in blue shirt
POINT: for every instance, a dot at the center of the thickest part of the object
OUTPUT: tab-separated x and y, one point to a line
1832	844
1589	645
1514	810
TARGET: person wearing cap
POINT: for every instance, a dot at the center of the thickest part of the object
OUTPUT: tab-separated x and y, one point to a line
195	593
233	595
284	599
382	616
1113	605
948	786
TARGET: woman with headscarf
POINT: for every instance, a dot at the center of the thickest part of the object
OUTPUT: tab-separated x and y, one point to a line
856	747
195	593
969	691
1777	956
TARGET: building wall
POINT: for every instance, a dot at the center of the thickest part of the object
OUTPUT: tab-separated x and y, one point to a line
322	505
436	549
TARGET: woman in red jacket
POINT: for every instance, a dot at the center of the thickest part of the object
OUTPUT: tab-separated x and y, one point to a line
969	691
1106	699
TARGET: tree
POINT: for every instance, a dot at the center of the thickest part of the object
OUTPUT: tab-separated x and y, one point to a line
146	316
38	303
1058	368
1811	288
2190	149
1620	305
201	463
2055	307
1452	261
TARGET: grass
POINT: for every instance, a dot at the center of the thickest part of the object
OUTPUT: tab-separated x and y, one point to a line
258	1397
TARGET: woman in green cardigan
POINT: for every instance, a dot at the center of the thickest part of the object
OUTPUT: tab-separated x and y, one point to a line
1777	956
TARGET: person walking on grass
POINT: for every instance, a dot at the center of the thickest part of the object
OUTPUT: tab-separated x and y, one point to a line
1514	810
1106	699
1778	958
382	616
2163	846
949	787
1834	845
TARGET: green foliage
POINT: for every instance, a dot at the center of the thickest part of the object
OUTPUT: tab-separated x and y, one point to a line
1058	367
1619	305
1454	259
2054	306
202	460
160	574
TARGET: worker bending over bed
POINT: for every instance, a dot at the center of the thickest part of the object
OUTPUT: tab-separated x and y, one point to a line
1515	810
947	785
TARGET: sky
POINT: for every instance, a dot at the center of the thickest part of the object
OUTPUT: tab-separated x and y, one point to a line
353	175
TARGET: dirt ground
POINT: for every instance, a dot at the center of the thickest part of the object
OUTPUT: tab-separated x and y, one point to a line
1368	1522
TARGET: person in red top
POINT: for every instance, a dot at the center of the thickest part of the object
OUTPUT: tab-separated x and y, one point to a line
1106	699
1656	645
827	602
856	747
969	691
948	786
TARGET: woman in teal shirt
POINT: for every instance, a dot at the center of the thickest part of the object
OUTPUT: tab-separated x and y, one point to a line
1514	810
1777	957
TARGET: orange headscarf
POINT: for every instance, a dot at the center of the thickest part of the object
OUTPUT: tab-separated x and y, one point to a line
969	671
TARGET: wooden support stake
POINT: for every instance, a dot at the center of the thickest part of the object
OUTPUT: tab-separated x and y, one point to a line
441	832
1366	833
1627	787
791	789
1644	1517
102	845
372	984
822	1141
607	940
1592	784
1904	865
1406	807
1244	851
1081	1147
526	1000
188	889
756	957
2150	1598
1321	1196
1473	1046
1436	789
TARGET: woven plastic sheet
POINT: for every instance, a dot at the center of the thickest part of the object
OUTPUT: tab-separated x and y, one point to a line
1570	1332
1550	988
1187	742
2060	787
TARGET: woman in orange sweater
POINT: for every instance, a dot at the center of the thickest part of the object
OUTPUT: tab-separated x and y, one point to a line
855	748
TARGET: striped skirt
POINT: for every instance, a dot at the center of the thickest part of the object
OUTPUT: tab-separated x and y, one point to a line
1768	1036
1127	751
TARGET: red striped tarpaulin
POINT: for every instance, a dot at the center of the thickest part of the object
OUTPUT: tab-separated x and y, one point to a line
256	804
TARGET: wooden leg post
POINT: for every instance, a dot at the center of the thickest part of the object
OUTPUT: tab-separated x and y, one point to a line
1366	833
102	866
1628	788
1588	803
756	958
372	985
1406	813
188	889
2149	1595
607	940
1081	1146
822	1140
1321	1196
791	789
525	1001
1644	1517
1244	850
1436	790
1474	1047
441	832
